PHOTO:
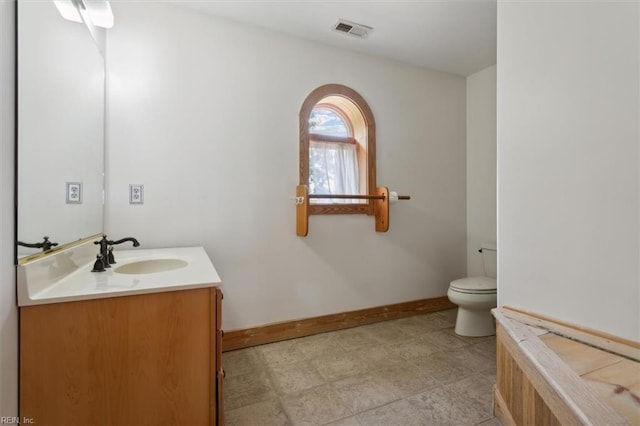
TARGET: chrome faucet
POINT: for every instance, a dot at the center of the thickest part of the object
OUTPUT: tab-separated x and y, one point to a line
105	256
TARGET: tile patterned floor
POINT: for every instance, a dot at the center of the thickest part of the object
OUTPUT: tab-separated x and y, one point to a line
410	371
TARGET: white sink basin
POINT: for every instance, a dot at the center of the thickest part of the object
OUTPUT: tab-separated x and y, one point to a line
66	276
151	266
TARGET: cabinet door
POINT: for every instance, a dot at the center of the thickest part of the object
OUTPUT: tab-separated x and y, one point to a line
143	360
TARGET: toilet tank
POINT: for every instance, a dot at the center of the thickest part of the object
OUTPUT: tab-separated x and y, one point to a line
490	259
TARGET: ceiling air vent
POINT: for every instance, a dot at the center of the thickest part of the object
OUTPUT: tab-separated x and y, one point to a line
351	28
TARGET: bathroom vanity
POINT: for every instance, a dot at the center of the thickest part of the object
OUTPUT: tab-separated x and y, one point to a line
138	347
139	343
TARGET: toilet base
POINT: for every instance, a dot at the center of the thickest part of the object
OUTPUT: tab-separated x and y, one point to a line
475	322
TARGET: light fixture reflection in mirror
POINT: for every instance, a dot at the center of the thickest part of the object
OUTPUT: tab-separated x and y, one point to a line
98	11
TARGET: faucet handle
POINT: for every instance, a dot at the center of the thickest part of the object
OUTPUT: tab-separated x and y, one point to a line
98	266
110	257
46	244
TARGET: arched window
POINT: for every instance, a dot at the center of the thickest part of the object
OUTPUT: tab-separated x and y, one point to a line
337	149
333	154
327	120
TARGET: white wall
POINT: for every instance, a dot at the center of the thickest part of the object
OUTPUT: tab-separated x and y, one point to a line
204	113
481	165
568	184
8	309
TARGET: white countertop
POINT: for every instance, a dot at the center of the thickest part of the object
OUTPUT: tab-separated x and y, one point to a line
35	285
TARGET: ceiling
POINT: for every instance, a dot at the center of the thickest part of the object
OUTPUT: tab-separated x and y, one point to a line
455	36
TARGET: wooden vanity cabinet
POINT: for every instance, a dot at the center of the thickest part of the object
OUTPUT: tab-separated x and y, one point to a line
150	359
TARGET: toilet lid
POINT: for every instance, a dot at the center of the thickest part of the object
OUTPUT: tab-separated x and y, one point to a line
475	284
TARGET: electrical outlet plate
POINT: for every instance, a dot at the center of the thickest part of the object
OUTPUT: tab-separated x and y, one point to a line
74	193
136	194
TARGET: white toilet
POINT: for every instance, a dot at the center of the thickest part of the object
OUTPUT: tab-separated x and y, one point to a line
475	297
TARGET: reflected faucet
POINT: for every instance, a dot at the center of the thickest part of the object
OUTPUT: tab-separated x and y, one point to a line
44	245
106	252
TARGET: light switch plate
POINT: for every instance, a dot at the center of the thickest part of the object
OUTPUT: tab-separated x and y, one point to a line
136	194
74	192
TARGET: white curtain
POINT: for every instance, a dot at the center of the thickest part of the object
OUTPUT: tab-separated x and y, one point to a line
333	169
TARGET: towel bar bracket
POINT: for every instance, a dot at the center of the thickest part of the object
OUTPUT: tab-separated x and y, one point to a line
380	205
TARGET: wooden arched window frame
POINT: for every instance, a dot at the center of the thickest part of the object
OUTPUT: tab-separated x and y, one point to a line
364	131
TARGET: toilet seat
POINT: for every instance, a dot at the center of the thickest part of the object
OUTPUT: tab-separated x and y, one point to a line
474	285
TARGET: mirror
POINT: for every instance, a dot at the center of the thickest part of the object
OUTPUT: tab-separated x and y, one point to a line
60	128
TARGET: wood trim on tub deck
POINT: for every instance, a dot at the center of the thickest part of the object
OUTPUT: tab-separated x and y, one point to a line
605	341
243	338
535	386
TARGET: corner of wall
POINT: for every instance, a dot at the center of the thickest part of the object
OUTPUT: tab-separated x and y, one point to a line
481	165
